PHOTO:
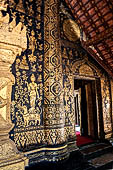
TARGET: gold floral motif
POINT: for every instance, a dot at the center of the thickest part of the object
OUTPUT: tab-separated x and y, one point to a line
32	58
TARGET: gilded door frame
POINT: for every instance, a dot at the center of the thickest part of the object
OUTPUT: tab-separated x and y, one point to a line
83	69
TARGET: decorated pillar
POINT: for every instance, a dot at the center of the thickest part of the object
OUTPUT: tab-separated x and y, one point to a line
8	51
54	116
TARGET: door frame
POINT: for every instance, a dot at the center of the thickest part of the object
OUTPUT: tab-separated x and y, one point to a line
99	113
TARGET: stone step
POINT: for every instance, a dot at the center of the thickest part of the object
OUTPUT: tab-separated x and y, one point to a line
95	150
102	162
90	157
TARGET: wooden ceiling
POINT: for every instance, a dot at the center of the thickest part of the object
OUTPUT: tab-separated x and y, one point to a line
95	18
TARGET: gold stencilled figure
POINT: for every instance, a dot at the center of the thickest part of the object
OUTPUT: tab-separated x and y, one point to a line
38	25
33	91
24	64
33	68
32	41
39	36
40	46
39	78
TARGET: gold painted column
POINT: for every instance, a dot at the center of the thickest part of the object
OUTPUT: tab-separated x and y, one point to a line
54	116
10	157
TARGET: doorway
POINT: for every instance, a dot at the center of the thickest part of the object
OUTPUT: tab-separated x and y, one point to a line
86	108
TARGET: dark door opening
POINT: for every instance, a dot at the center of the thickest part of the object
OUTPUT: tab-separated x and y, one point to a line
86	108
84	118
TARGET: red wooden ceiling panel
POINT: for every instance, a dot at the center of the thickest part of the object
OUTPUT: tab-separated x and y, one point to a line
101	28
88	6
91	11
110	22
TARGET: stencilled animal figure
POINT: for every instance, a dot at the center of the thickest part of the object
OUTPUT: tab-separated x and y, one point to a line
30	116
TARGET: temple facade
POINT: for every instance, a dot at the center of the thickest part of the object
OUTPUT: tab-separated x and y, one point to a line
53	91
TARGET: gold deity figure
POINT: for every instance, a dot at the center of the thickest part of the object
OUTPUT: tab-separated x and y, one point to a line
33	91
32	41
24	64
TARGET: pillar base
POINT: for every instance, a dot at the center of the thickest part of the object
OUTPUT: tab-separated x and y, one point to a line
10	157
17	162
14	163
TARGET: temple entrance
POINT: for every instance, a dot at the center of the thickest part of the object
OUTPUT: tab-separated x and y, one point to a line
85	110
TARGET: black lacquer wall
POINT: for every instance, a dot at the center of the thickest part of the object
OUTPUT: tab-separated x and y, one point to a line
27	93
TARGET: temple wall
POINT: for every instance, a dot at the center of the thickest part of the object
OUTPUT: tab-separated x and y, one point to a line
37	101
27	92
47	60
